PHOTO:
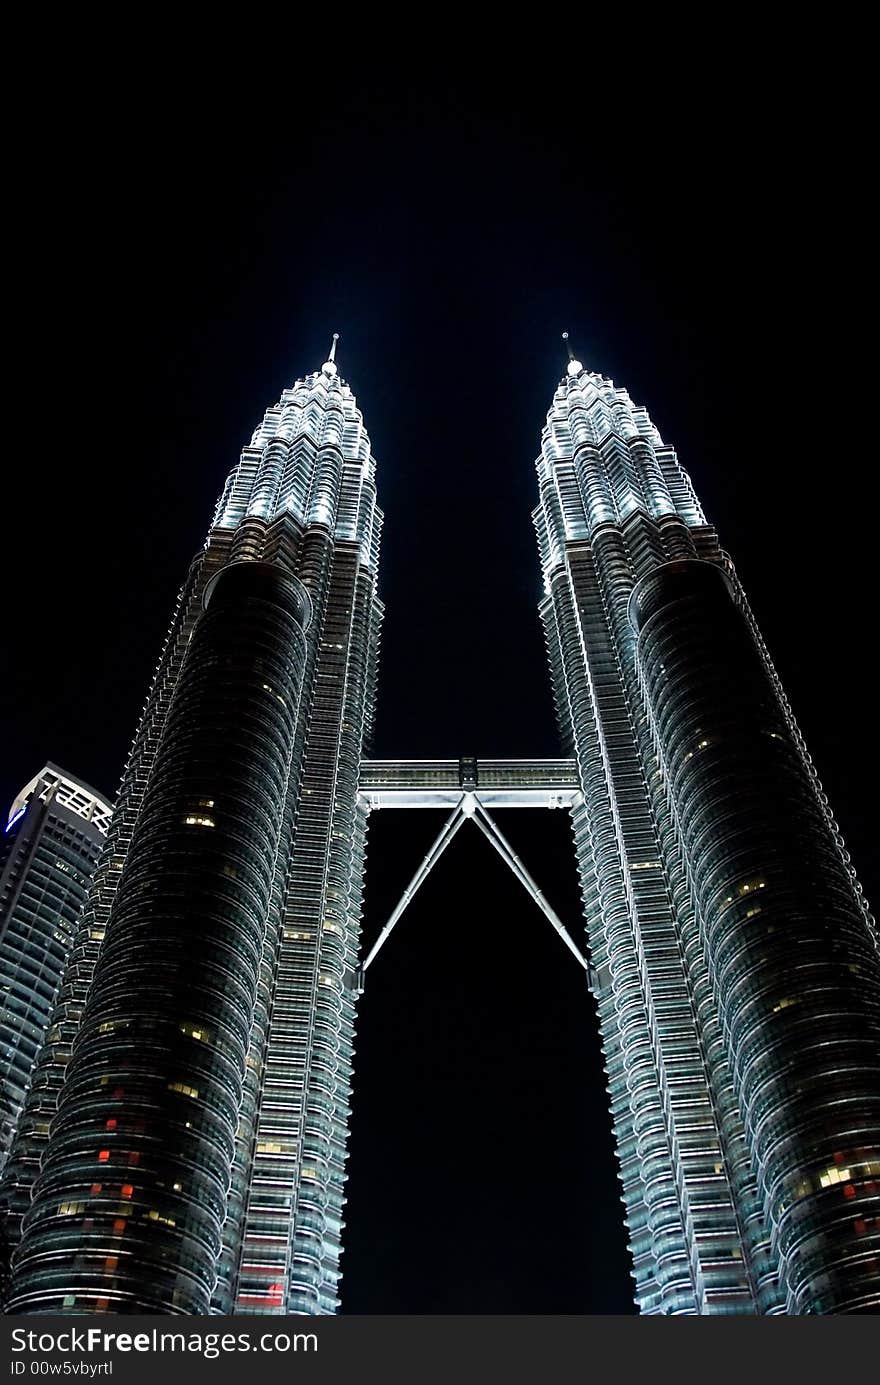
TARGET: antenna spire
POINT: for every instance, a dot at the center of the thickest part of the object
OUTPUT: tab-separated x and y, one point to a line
329	366
574	365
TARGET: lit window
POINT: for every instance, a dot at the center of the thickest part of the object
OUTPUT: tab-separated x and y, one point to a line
199	820
157	1216
195	1031
103	1156
183	1088
750	885
834	1175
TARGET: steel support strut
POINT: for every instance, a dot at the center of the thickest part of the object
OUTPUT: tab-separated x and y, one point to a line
448	831
469	806
490	829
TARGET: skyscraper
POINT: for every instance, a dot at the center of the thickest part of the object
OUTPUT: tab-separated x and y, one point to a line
196	1157
198	1069
736	965
55	829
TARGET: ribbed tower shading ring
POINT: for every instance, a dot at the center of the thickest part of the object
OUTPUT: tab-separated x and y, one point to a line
791	958
128	1210
673	582
264	577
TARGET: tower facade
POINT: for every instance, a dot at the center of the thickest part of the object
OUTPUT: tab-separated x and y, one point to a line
735	965
53	836
183	1146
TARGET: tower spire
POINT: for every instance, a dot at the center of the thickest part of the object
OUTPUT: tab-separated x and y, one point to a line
329	367
574	366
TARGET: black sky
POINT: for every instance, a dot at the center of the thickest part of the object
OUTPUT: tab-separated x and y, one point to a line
181	259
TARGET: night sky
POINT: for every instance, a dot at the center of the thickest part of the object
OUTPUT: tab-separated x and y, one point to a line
177	268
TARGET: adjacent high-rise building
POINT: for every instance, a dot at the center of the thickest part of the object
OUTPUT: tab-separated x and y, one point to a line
182	1146
53	835
736	966
198	1068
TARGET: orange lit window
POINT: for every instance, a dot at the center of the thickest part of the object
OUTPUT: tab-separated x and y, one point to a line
119	1226
111	1262
111	1124
103	1156
97	1187
127	1189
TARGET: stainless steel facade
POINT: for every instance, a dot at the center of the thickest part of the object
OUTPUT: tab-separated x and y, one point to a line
127	1200
182	1147
736	965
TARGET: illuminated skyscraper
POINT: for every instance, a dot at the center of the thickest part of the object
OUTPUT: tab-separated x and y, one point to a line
197	1070
196	1158
735	963
54	833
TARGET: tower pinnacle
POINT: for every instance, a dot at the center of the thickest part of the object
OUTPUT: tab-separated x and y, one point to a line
329	366
574	366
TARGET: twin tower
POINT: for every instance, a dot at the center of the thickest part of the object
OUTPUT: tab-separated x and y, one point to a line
182	1149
